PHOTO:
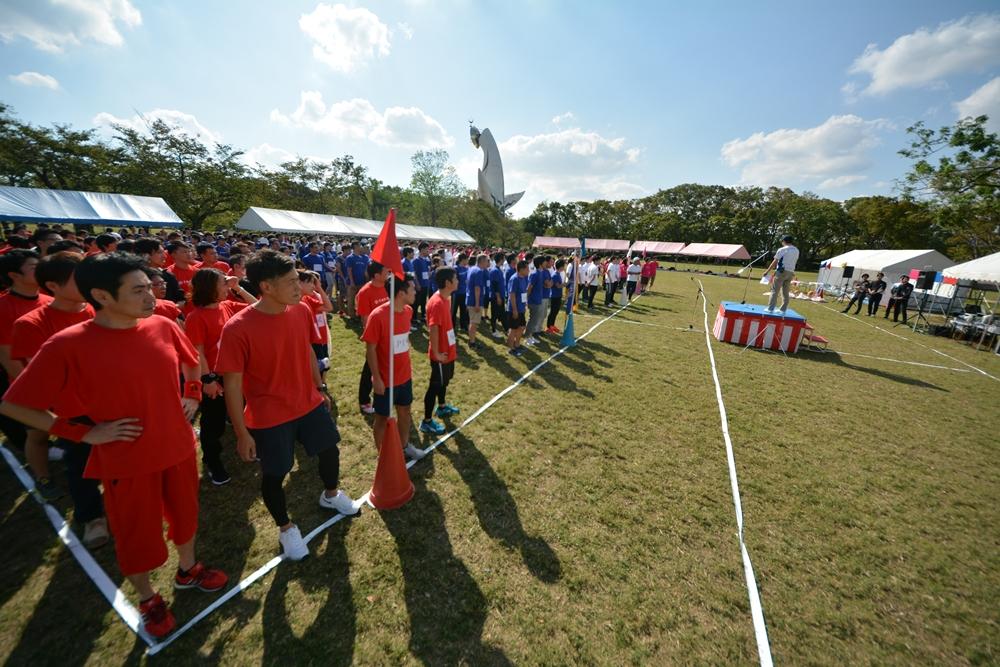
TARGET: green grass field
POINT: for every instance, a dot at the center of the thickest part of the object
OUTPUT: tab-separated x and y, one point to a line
586	518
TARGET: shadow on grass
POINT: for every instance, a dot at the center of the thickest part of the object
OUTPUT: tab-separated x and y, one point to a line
497	511
447	609
329	639
831	357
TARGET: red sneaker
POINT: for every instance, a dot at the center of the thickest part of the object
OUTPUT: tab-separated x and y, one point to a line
556	329
205	579
156	617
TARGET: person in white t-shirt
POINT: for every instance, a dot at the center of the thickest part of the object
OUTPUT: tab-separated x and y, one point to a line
783	265
634	269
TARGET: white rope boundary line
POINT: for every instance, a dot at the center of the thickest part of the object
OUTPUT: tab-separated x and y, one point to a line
915	342
643	324
756	611
64	530
274	562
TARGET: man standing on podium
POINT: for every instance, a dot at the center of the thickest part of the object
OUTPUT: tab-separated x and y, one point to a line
783	265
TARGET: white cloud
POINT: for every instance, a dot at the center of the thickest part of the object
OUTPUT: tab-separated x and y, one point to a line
827	156
563	118
35	79
399	127
405	29
186	122
267	155
925	57
54	25
567	165
343	37
984	101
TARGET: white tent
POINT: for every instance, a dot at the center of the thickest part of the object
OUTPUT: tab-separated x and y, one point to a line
893	263
268	220
983	270
36	205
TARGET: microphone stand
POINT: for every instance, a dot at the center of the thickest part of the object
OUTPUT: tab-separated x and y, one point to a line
748	266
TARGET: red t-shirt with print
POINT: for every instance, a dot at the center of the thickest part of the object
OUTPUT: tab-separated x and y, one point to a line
377	333
33	329
369	298
273	354
439	315
73	365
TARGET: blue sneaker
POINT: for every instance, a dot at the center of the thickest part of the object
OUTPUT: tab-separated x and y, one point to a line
447	410
431	426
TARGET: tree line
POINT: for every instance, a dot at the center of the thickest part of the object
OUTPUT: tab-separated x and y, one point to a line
948	200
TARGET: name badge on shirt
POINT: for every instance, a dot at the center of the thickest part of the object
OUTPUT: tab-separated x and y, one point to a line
321	321
524	297
400	343
451	336
425	275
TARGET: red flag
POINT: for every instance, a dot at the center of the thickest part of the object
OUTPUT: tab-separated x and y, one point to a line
386	251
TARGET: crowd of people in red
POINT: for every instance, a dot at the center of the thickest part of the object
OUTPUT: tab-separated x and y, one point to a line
229	328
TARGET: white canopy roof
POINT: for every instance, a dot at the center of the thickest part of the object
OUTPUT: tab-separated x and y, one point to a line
657	247
984	269
35	205
296	222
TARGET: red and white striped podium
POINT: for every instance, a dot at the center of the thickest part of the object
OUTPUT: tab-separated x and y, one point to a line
755	326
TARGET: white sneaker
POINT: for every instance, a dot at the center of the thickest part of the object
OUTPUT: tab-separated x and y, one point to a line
292	544
56	453
341	503
498	334
531	341
413	452
95	533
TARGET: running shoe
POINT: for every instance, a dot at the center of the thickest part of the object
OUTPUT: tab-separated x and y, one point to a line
219	475
47	489
414	453
367	409
205	579
341	503
95	533
157	619
447	410
498	334
432	427
56	453
292	544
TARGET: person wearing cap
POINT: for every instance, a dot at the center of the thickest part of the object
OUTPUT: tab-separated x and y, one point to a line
783	266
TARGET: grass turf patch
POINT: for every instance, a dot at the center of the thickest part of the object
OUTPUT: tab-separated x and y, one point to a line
587	518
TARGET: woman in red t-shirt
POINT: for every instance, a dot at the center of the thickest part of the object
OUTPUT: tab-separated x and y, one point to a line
210	290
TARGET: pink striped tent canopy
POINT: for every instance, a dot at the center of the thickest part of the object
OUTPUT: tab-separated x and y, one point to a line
607	244
556	242
717	250
657	247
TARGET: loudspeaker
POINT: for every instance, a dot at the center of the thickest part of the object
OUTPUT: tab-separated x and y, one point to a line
925	280
848	272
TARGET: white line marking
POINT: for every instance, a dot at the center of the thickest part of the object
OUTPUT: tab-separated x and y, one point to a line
900	361
112	593
274	562
756	611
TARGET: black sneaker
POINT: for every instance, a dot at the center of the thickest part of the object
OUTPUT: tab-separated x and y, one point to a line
219	475
47	489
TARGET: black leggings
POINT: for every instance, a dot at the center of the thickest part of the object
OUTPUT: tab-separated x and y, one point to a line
554	303
437	390
498	314
459	312
365	385
273	492
212	425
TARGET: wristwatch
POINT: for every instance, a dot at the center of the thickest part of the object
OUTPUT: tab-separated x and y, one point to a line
323	388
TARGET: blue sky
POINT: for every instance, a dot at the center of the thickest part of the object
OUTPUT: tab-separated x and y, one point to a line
587	99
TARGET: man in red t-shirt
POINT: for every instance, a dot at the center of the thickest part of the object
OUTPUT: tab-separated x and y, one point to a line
137	421
17	276
183	270
208	258
442	351
55	276
370	297
379	341
314	296
266	360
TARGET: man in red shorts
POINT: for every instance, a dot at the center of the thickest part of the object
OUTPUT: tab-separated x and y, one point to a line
265	357
143	446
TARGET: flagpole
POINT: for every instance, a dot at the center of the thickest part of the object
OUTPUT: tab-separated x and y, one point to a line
392	335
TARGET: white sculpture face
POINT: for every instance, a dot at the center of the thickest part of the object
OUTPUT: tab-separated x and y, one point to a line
491	187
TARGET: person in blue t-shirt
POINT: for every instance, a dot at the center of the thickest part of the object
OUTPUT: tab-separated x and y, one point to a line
408	261
556	295
314	261
538	286
498	296
517	301
422	272
340	277
477	296
355	268
459	311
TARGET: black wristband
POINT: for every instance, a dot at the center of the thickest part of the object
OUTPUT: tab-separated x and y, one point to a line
209	377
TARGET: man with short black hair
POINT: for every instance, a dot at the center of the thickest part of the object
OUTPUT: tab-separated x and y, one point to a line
900	299
106	243
498	296
144	446
783	266
267	364
370	297
861	288
422	275
477	296
875	291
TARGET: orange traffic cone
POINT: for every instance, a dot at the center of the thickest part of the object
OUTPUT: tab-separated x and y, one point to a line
392	487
